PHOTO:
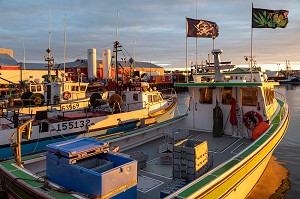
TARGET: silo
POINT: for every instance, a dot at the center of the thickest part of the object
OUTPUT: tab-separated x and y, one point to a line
92	63
106	62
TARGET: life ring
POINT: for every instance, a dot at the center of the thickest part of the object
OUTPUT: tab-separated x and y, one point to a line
37	100
66	95
251	119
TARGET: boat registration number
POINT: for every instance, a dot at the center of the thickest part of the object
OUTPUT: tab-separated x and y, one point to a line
71	106
72	125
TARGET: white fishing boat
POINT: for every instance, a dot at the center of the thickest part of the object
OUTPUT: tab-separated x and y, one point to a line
52	94
219	149
108	112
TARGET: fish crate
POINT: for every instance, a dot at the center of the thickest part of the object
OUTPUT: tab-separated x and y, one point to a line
165	154
79	163
176	135
141	158
189	159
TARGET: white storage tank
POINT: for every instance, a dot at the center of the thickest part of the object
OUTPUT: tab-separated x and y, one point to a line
106	62
92	63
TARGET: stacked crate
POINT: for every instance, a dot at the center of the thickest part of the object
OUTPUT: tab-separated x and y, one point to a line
141	159
165	154
166	149
189	156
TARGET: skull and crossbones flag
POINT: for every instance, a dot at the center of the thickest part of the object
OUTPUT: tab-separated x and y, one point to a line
201	28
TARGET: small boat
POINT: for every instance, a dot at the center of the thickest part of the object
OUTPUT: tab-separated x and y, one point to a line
53	94
219	149
293	81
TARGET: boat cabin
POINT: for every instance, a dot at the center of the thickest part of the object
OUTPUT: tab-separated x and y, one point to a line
243	98
57	92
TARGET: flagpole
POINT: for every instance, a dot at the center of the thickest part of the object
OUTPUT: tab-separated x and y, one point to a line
196	65
186	51
251	56
251	37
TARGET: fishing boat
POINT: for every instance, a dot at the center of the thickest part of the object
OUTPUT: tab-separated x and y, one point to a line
52	94
292	81
118	113
127	107
218	149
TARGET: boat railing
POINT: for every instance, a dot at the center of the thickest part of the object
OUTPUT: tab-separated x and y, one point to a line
282	98
23	131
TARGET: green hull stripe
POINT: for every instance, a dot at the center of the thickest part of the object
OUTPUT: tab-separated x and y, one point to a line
225	167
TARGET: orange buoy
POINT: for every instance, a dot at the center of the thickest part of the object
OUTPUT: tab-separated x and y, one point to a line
259	130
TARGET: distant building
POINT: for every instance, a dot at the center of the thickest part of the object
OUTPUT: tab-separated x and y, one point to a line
75	70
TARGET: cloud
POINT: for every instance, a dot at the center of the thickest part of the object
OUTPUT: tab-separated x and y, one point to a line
155	29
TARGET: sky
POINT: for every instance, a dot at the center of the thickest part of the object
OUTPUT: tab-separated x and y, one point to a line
152	31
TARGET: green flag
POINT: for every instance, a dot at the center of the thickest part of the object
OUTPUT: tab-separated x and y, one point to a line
263	18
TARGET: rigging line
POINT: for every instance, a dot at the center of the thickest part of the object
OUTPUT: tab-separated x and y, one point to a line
139	63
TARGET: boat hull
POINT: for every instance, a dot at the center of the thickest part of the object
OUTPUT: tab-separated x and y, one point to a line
87	127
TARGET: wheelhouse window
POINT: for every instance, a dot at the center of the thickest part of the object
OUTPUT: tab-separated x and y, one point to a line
33	89
135	97
249	97
149	98
82	88
155	98
73	88
39	88
226	95
205	95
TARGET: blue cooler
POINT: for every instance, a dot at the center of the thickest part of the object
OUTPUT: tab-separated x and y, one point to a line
85	165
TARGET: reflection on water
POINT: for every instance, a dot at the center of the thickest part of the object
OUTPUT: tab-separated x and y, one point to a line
274	182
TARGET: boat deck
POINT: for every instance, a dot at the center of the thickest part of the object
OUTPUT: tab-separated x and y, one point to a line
155	176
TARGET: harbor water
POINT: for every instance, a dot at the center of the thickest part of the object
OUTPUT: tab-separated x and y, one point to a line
284	167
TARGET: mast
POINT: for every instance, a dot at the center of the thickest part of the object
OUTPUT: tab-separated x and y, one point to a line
251	53
186	51
65	49
116	46
48	58
196	64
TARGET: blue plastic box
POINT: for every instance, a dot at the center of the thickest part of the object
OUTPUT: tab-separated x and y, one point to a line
84	165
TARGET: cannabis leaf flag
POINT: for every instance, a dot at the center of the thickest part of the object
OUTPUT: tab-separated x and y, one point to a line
263	18
201	28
